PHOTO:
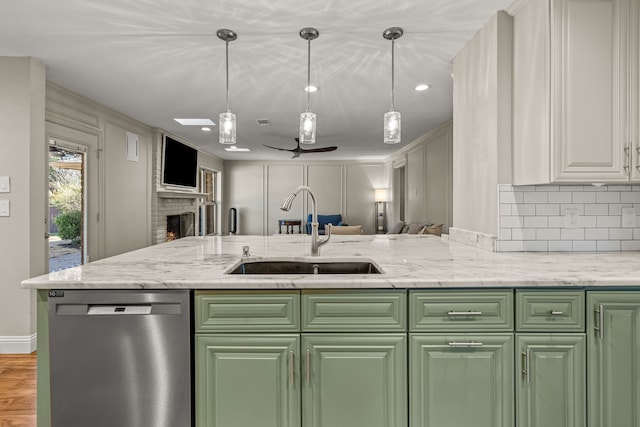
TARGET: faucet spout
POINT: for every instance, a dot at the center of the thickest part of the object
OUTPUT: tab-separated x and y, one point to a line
315	240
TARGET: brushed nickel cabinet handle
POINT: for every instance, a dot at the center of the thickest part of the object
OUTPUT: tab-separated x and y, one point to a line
526	367
465	344
464	313
599	321
556	313
292	373
308	364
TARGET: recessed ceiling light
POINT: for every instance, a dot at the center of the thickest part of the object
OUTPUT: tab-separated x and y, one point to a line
205	129
236	149
311	88
422	87
263	122
195	122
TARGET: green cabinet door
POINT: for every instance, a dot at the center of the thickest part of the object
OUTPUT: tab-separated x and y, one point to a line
613	327
354	380
247	381
551	380
461	380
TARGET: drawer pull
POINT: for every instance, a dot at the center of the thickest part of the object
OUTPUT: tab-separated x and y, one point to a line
465	344
556	313
291	365
464	313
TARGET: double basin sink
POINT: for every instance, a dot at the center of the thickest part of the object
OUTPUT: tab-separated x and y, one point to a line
306	266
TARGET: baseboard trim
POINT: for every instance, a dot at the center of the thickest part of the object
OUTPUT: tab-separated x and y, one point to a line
18	344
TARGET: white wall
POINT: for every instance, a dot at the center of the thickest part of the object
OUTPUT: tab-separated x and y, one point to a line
257	190
482	125
428	178
23	159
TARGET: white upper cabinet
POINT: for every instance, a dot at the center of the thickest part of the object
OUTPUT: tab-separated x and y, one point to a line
574	115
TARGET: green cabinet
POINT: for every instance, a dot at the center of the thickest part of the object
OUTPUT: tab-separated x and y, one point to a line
551	380
247	380
461	380
354	380
613	328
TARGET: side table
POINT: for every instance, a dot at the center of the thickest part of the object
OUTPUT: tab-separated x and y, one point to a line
289	223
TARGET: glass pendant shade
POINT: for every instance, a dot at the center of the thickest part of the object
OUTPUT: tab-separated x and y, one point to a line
392	126
307	128
227	122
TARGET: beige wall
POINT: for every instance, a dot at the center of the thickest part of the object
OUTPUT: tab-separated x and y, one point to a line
23	159
428	178
482	131
257	190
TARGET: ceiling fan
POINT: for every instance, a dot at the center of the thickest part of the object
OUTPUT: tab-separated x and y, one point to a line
297	151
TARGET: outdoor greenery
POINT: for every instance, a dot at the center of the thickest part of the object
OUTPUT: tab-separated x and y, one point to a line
65	193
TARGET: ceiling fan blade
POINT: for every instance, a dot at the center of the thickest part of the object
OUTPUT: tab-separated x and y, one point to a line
276	148
319	150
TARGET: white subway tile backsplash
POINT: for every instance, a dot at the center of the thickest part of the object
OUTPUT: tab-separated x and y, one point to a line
510	246
523	209
560	246
608	197
535	246
621	233
548	234
608	246
533	218
630	197
536	222
587	221
535	197
584	246
594	209
583	197
523	234
608	221
630	245
547	209
511	222
572	234
579	207
596	233
559	197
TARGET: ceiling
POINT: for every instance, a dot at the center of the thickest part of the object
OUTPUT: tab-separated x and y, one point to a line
156	60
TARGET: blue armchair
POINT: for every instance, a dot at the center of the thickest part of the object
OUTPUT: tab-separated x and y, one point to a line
324	220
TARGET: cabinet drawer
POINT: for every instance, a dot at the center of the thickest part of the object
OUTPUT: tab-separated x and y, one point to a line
354	311
247	311
461	310
550	311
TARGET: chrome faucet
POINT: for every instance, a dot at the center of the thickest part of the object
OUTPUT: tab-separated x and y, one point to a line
315	240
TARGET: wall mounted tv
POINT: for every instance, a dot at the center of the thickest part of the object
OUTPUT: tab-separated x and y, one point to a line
179	163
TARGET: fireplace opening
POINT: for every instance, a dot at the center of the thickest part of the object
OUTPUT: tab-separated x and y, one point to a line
179	226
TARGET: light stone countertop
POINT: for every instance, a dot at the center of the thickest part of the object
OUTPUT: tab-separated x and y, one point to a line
416	261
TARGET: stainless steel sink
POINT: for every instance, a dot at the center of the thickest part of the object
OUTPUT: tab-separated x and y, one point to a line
305	267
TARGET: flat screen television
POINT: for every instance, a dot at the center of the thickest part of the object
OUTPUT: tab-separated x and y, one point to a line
179	164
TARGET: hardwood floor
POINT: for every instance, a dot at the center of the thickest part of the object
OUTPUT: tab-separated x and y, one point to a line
18	390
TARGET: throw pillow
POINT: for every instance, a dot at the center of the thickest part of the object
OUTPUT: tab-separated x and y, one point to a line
346	229
397	228
434	229
414	228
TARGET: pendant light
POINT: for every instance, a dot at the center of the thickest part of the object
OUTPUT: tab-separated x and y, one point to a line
308	119
227	120
392	118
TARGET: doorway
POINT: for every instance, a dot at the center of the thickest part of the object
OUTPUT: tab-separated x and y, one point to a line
67	236
399	191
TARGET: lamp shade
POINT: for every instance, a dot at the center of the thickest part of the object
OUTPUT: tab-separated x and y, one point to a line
381	195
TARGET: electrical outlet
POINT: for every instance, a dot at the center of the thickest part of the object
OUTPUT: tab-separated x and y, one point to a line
629	217
5	184
5	208
571	218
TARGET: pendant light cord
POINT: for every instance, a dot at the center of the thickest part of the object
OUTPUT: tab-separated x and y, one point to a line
227	67
393	41
308	72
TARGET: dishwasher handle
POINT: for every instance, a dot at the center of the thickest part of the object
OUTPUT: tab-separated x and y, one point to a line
137	309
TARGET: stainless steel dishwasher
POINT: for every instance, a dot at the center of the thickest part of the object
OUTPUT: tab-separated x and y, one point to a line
120	358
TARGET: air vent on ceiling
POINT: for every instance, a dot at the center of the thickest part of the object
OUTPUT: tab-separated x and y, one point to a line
263	122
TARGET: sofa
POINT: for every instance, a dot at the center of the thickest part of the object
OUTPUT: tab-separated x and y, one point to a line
324	220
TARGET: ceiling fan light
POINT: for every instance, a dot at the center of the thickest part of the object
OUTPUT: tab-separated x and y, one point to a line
307	128
227	128
392	127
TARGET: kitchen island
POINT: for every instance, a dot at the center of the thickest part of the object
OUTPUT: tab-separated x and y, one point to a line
446	335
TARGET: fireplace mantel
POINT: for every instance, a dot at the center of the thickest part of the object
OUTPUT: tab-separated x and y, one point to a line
164	194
